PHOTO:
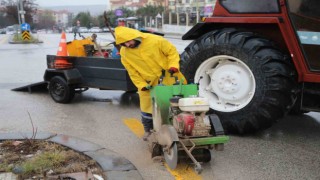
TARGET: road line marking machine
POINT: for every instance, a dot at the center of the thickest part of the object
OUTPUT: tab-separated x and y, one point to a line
181	126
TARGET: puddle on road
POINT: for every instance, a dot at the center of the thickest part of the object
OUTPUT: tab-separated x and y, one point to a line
116	98
99	100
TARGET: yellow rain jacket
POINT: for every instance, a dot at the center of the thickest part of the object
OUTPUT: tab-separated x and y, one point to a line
146	62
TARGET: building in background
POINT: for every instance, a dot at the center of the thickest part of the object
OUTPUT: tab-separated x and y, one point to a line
203	7
62	18
130	4
52	19
135	4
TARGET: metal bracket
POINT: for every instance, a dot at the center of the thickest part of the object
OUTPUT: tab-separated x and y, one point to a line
216	124
197	167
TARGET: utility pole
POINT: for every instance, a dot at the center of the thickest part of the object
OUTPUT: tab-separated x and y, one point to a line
18	10
22	12
197	7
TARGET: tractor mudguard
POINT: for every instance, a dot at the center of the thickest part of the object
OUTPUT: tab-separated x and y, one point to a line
196	31
167	135
72	76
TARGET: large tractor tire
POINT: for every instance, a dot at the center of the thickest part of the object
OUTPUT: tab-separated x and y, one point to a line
250	83
60	91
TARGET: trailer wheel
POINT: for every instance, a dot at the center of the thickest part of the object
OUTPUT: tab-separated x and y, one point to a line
250	83
60	91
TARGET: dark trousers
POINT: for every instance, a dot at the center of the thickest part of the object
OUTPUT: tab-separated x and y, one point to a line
147	122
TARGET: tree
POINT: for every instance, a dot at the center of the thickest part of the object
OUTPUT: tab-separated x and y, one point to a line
127	12
101	21
112	18
46	20
149	10
11	15
95	21
3	20
84	18
11	11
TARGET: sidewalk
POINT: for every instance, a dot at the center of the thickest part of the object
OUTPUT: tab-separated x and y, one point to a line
171	31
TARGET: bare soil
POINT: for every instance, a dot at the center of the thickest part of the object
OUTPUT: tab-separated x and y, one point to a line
37	159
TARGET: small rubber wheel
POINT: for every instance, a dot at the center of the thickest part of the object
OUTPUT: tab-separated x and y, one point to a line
60	91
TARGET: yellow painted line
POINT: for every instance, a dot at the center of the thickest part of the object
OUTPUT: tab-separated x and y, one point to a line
182	172
135	126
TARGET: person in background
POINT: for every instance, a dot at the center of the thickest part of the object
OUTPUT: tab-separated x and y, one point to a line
76	29
145	56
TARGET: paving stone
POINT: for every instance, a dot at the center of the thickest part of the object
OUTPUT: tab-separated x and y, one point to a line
8	176
77	144
24	135
110	161
78	175
123	175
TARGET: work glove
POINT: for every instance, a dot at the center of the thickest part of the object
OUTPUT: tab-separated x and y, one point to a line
173	70
146	88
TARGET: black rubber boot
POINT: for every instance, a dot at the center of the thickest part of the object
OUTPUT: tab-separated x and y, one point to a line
146	135
147	125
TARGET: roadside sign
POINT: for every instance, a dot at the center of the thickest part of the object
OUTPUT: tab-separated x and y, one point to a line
26	35
25	27
118	12
208	10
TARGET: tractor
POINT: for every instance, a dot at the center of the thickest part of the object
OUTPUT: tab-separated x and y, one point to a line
256	61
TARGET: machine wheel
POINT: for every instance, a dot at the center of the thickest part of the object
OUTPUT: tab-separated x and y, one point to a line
171	156
248	81
60	91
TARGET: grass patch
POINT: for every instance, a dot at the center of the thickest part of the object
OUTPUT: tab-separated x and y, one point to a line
43	162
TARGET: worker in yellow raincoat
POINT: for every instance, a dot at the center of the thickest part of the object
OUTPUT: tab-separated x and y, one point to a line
145	56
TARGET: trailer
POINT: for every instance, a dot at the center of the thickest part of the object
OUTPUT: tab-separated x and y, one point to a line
84	73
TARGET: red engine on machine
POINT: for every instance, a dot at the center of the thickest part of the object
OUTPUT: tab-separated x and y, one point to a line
184	123
188	116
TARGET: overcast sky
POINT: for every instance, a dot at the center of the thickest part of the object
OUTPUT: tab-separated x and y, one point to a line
70	2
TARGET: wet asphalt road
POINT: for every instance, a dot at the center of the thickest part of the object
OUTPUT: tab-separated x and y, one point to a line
288	150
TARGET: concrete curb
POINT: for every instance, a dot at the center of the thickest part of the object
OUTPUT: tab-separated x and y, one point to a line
22	42
113	165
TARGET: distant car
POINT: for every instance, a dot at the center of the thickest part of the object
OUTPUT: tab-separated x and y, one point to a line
83	30
10	30
69	30
2	31
105	29
95	30
41	31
